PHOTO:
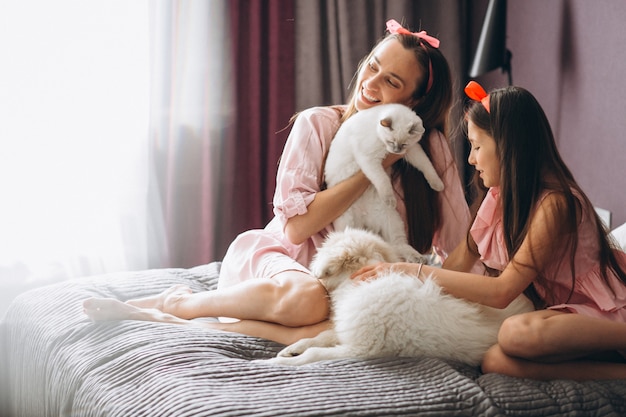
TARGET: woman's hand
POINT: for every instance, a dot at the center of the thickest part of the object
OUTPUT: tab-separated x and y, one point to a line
391	159
325	208
330	204
374	271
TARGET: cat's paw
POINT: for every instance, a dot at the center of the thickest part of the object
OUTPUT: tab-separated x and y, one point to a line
389	200
436	184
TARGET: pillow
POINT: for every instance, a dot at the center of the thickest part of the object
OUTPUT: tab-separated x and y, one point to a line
620	236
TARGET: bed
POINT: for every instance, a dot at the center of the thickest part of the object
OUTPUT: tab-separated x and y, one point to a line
56	362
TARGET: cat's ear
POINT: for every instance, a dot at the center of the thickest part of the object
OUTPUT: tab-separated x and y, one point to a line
417	129
386	122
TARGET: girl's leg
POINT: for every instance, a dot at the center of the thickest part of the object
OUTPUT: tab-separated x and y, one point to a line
550	344
549	335
100	309
290	298
496	361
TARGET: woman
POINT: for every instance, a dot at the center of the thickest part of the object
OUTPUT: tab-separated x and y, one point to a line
540	233
264	281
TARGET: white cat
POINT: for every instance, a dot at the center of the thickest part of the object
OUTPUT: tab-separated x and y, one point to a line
392	315
361	143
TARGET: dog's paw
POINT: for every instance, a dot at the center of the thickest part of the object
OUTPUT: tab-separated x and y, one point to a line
270	361
295	349
408	254
417	259
277	360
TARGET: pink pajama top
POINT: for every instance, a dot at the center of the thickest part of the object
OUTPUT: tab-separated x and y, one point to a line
591	295
266	252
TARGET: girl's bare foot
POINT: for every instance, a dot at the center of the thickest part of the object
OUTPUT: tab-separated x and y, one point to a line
159	300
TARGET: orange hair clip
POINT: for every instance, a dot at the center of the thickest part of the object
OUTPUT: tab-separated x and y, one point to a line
476	92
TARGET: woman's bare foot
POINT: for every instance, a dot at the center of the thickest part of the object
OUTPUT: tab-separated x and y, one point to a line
110	309
159	300
106	309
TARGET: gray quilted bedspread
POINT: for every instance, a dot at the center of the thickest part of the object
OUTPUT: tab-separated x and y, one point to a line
56	362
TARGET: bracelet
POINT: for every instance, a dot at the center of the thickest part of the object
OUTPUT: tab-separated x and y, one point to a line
419	270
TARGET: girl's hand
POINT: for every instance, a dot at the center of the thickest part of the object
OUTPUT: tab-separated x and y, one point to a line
367	272
374	271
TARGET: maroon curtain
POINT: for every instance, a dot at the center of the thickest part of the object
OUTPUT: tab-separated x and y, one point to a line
262	47
334	35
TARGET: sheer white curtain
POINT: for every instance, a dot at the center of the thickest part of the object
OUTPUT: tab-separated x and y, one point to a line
113	120
191	115
74	100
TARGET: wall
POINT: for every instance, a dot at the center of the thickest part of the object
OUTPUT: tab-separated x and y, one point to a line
570	55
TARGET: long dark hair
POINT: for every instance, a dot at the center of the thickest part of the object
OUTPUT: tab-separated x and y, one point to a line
530	165
433	106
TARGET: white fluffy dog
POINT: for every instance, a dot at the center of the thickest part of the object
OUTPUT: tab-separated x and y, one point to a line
393	315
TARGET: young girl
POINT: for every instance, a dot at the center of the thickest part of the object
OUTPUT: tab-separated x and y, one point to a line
539	231
264	281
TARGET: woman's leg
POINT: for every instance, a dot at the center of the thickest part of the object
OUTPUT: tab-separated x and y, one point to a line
290	298
550	344
272	331
102	309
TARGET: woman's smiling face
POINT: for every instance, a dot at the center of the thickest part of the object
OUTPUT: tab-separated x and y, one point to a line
483	155
390	76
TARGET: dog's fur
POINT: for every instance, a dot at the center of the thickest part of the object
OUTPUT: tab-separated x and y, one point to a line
395	314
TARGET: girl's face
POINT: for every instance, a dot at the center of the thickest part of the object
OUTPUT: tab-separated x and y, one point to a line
390	76
483	155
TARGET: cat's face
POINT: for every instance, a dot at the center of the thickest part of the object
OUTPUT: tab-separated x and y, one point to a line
400	130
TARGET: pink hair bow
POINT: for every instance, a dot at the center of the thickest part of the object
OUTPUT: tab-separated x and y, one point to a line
395	27
476	92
